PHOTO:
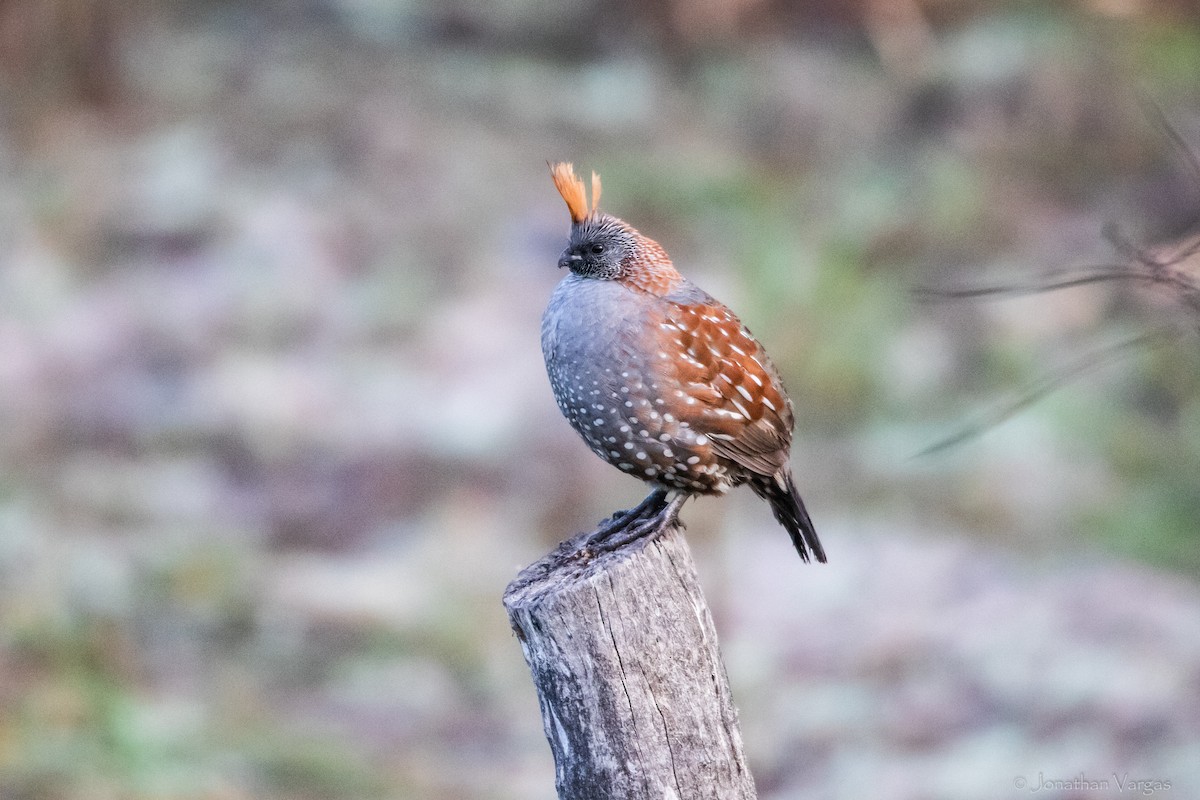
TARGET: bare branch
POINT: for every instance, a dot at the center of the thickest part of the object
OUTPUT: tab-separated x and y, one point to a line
1048	383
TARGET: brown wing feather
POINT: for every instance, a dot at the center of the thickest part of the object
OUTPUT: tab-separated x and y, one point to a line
740	401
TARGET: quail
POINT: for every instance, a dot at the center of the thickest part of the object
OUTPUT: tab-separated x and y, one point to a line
662	380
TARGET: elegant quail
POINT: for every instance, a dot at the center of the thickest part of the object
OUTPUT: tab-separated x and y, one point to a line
660	379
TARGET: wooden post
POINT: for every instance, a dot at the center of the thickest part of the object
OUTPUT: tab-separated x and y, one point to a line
634	696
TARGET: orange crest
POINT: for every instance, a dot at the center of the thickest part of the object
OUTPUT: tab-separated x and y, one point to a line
570	186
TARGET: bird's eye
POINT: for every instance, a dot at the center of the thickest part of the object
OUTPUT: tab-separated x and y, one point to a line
597	249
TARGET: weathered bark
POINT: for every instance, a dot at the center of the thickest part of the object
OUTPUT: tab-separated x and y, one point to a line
634	696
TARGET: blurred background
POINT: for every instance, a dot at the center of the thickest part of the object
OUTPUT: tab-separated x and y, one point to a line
275	430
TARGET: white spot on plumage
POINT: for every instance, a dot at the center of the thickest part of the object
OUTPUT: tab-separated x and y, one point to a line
744	392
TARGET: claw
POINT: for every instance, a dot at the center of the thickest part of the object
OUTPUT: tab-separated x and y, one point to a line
652	518
651	506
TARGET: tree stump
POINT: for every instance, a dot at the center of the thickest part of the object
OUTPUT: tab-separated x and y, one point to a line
634	697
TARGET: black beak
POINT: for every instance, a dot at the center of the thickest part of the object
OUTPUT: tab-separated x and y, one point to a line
568	259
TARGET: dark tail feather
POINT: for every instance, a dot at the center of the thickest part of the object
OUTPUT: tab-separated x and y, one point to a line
789	510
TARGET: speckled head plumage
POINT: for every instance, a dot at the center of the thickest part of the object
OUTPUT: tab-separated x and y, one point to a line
659	378
605	247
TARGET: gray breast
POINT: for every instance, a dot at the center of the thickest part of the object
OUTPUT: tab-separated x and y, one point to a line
589	341
601	365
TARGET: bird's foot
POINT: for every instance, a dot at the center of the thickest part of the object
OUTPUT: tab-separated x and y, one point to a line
650	521
648	508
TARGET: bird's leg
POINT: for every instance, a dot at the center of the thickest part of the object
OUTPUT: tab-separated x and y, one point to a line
664	516
652	504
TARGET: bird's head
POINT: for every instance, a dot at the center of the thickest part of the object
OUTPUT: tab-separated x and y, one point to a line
602	246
